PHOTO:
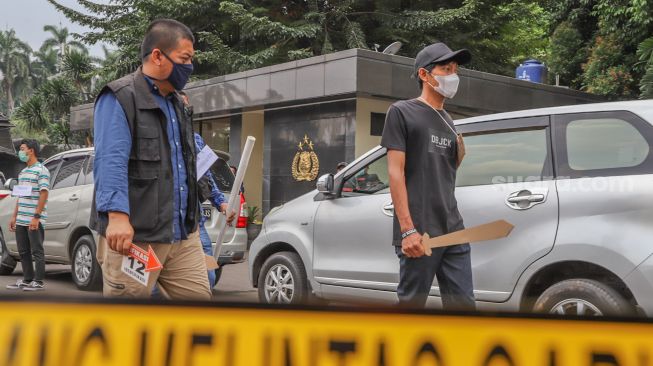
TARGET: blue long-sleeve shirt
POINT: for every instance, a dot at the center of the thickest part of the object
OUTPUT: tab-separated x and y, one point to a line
217	197
113	143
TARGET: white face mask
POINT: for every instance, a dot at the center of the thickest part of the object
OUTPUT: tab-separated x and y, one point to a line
447	85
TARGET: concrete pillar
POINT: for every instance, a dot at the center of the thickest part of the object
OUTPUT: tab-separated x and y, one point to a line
364	109
253	125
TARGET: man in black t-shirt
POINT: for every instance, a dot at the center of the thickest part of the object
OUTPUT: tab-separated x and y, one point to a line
424	152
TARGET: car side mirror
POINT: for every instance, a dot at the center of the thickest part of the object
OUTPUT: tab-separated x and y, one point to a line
325	184
10	183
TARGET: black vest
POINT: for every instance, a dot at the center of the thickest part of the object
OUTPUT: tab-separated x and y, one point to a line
150	164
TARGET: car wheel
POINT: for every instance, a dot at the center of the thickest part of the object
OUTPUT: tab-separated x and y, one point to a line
7	263
86	271
282	280
582	297
218	273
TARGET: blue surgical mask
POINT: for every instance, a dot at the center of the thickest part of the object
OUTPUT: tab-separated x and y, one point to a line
23	156
180	73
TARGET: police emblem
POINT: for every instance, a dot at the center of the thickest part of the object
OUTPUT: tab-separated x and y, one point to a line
305	165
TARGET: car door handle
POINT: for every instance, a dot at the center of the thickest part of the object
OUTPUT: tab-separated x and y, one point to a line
531	198
389	209
526	198
73	198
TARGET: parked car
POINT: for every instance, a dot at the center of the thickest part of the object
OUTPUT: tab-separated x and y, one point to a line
69	240
576	181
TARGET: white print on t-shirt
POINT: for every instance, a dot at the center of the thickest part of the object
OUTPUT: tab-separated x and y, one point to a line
441	142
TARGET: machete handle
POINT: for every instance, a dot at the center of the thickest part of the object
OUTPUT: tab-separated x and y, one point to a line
427	249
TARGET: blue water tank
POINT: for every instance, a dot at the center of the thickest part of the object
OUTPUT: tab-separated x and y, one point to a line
531	70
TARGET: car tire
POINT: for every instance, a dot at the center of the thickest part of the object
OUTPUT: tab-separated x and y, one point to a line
218	274
582	297
85	268
7	262
291	288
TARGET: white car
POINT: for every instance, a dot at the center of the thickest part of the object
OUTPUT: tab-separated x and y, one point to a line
69	240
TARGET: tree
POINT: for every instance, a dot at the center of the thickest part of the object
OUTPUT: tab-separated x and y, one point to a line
79	68
59	95
567	53
60	41
32	115
611	31
43	65
240	35
645	56
14	65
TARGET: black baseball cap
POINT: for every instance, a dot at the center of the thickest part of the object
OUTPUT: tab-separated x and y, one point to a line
440	52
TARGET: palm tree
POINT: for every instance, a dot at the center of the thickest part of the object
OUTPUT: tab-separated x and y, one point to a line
78	67
60	41
32	115
14	64
59	94
43	65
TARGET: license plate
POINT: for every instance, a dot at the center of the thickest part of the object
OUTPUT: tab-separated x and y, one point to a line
206	212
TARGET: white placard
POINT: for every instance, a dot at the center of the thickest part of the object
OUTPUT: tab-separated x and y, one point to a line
139	263
135	269
205	159
22	191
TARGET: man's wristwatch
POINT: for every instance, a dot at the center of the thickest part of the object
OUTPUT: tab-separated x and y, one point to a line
37	216
408	233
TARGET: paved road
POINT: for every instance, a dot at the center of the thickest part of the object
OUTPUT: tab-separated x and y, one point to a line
234	285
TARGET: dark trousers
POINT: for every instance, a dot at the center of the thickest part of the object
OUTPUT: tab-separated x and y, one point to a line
30	248
453	268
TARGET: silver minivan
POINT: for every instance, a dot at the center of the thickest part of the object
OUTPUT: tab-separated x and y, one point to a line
576	181
69	240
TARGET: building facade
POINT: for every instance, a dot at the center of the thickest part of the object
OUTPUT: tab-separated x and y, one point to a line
311	114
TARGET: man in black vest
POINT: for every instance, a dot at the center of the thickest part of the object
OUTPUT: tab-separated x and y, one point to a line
145	172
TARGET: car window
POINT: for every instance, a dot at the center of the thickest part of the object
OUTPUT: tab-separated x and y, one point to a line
372	179
86	177
503	157
223	176
604	143
68	172
52	167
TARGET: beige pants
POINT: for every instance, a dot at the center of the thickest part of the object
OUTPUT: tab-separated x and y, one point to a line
183	275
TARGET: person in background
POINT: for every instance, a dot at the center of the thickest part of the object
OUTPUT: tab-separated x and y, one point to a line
209	190
29	216
341	165
242	185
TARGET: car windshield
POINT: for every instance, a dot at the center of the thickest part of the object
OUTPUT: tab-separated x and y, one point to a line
223	175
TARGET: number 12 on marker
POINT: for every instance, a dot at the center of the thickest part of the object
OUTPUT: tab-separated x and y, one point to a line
139	263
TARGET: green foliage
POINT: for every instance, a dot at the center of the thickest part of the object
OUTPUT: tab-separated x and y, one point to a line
606	73
32	115
78	67
645	56
59	94
611	31
254	213
239	35
14	66
567	54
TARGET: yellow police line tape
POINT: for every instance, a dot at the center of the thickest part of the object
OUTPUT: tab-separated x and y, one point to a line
47	333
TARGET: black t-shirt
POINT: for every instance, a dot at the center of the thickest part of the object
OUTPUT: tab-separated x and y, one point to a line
431	153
